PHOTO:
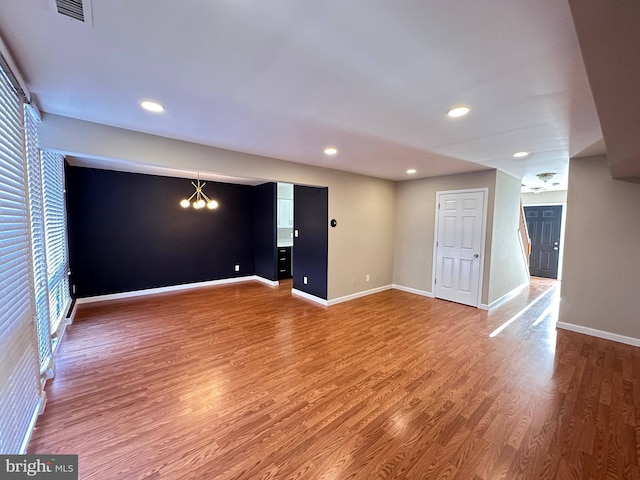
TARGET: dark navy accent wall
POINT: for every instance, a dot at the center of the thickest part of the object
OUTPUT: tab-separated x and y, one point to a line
310	248
128	232
265	235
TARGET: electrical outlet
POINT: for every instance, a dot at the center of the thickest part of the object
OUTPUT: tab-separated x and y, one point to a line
295	232
237	268
304	280
367	277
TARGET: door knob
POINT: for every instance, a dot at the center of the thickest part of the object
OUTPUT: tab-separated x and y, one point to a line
555	248
476	256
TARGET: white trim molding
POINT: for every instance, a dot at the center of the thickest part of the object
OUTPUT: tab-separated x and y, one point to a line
266	281
308	296
364	293
72	315
171	288
415	291
504	298
599	333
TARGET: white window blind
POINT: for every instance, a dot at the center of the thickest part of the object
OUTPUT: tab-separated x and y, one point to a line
55	227
34	169
19	372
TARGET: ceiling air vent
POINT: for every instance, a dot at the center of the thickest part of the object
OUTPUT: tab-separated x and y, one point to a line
71	8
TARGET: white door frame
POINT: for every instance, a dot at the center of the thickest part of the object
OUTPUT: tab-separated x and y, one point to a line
483	237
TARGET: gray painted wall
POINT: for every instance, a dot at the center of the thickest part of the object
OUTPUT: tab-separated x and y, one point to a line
362	243
415	222
508	267
385	230
504	264
544	198
601	271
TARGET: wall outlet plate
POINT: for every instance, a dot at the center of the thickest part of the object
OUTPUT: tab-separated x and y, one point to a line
304	280
237	268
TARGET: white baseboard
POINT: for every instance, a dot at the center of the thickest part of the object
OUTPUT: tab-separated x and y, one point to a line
266	281
313	298
424	293
353	296
599	333
504	298
171	288
59	335
72	315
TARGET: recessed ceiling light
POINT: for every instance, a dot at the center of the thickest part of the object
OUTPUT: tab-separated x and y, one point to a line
411	171
330	151
521	154
152	106
458	111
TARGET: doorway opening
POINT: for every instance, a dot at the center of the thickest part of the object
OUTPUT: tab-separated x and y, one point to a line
545	224
284	229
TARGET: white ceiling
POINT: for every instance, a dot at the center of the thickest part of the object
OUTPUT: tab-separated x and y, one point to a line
287	78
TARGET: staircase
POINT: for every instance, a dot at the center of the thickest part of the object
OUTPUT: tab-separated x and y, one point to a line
525	241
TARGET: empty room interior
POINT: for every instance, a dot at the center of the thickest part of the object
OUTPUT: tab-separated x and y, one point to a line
321	240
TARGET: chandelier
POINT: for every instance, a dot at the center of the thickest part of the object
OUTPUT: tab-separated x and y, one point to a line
545	177
201	199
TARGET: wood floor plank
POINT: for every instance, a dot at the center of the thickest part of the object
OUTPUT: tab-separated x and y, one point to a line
247	382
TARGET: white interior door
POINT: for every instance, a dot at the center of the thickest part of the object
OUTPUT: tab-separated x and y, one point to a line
459	242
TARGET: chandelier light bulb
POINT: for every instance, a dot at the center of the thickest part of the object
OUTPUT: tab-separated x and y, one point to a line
184	203
199	204
211	204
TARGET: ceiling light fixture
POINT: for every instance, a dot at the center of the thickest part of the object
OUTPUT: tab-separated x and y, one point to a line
330	151
152	106
411	171
201	199
545	177
536	189
520	154
460	111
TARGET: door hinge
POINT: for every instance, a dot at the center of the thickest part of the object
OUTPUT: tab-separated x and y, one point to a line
438	206
437	243
435	280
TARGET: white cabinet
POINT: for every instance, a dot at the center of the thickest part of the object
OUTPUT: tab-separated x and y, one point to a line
285	213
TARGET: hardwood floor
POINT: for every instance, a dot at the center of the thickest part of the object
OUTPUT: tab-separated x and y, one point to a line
247	382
